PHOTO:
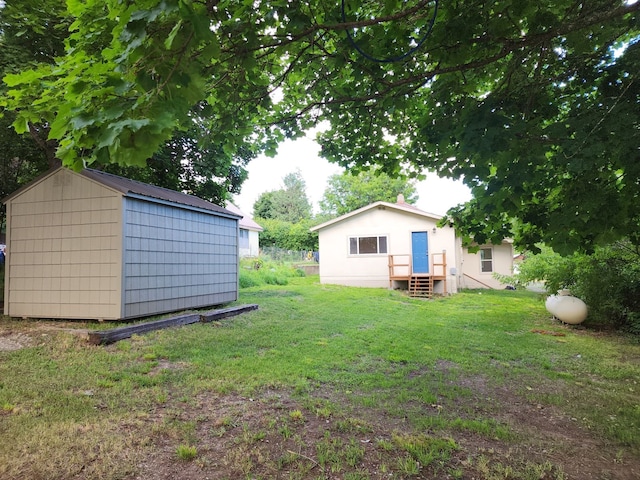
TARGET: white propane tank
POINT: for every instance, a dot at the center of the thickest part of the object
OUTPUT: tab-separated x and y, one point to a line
566	308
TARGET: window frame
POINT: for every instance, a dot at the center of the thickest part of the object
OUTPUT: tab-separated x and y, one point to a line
358	239
483	260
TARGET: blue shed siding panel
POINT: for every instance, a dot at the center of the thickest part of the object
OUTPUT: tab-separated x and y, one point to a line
176	258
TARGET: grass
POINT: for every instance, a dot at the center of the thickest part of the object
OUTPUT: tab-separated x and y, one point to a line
343	361
186	452
261	271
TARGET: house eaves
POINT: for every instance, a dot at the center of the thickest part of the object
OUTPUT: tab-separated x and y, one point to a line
246	222
400	207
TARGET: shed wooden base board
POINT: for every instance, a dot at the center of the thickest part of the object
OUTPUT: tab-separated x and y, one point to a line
100	337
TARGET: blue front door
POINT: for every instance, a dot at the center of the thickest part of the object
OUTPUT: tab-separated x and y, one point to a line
420	252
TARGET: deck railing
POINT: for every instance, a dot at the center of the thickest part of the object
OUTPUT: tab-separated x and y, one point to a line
419	284
400	265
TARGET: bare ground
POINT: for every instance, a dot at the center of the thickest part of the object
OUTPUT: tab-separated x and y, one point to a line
323	436
239	437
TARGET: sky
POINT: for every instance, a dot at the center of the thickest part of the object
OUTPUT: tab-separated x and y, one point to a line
436	195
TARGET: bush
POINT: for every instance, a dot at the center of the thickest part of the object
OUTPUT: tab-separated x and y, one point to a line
256	272
547	266
287	235
249	278
608	281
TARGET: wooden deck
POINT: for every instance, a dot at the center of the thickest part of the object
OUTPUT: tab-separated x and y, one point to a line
419	284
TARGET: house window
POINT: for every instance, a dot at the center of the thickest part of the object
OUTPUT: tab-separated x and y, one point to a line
486	260
367	245
244	238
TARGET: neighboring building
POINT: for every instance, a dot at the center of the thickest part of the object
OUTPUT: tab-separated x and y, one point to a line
397	245
91	245
249	235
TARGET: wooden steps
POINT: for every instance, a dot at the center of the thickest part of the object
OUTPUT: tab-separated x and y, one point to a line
421	286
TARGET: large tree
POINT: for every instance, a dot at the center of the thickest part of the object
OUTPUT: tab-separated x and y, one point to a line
34	33
30	33
534	104
285	215
346	192
289	203
191	163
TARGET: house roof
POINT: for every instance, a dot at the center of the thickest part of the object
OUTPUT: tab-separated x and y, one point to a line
246	222
132	187
400	206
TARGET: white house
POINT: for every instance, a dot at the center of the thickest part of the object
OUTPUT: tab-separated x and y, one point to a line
249	233
397	245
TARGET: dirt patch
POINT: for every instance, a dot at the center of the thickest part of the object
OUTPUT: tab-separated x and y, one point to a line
329	435
275	435
31	334
14	341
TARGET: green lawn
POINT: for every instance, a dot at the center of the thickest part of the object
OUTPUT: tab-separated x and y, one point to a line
327	382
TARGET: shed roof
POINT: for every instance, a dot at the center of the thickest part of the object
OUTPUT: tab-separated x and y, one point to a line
128	186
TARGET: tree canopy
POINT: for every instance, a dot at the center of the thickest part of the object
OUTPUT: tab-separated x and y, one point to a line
191	164
346	192
34	33
285	216
25	40
289	204
534	104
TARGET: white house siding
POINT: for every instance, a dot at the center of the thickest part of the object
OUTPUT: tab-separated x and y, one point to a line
249	242
254	244
471	266
64	250
177	258
337	266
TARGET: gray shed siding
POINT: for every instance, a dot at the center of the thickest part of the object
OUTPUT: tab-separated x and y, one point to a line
176	258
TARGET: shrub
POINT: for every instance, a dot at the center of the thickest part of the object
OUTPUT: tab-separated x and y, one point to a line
608	281
287	235
547	266
254	273
248	279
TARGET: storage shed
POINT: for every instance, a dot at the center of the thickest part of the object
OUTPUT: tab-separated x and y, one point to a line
92	245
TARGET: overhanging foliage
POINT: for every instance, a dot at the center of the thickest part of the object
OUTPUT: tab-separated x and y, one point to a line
526	101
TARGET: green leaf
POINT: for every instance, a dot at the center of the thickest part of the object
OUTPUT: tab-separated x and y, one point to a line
21	125
82	121
60	125
168	43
